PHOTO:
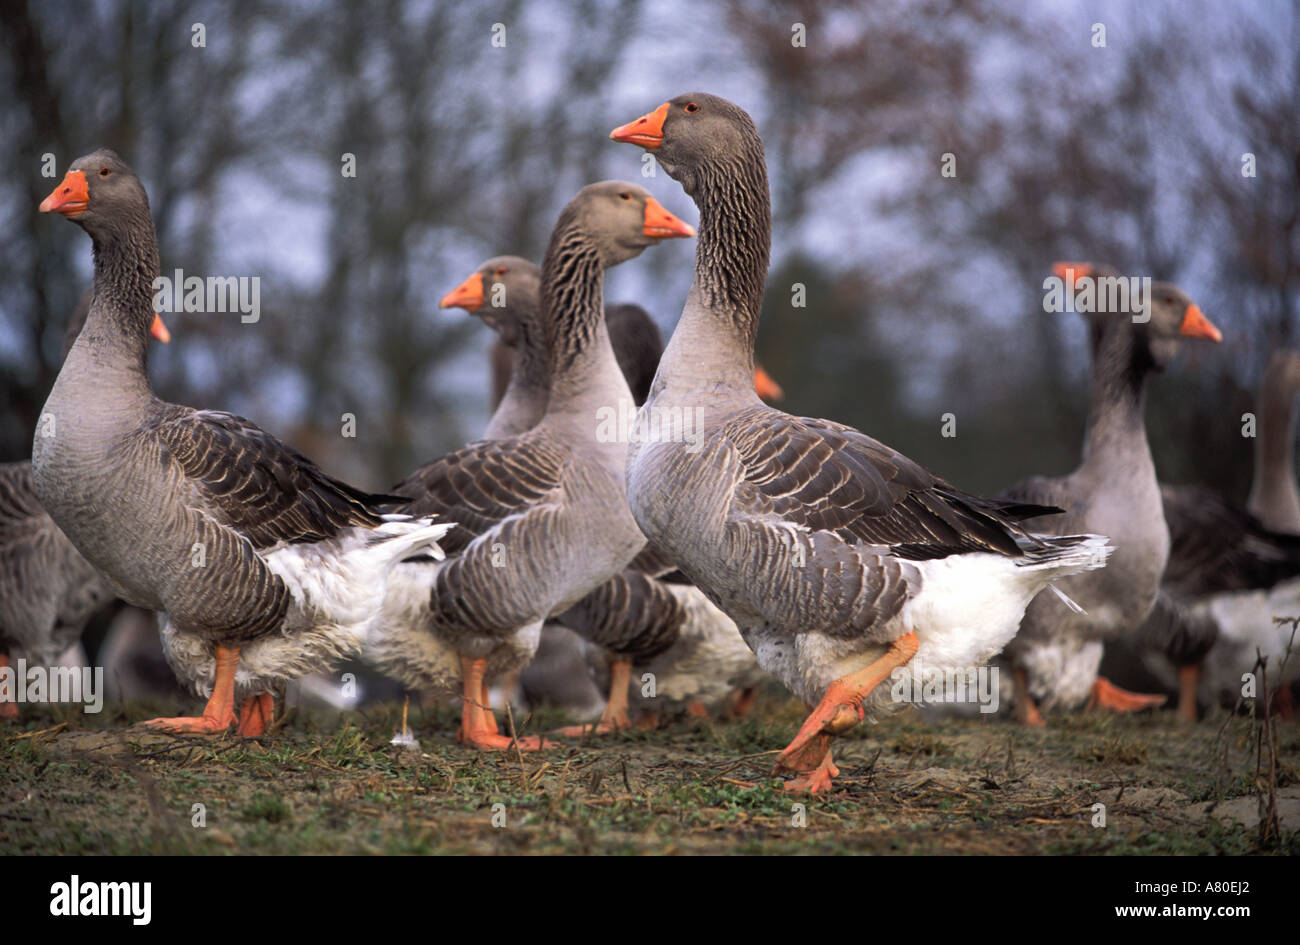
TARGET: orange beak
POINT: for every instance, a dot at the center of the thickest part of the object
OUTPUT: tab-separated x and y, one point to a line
1071	272
661	224
647	131
468	295
159	330
767	388
1196	325
70	198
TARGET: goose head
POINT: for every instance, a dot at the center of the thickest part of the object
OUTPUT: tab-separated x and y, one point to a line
622	220
503	292
1173	316
688	133
102	195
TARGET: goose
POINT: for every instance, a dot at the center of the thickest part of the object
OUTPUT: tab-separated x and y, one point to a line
265	567
1114	490
1231	570
685	650
1226	578
543	515
48	591
839	558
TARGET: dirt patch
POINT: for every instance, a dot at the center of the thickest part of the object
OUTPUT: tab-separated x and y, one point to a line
1089	783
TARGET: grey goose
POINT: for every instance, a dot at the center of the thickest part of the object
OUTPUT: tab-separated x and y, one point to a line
265	567
645	620
1056	655
839	558
1232	570
543	517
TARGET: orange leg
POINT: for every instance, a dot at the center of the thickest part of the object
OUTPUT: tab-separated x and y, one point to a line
255	714
487	710
219	714
1283	703
615	718
8	710
1026	710
1107	695
1189	678
697	710
839	710
744	703
477	727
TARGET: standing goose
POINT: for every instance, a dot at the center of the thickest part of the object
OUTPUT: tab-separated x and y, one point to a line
265	567
1230	570
48	591
543	515
1058	650
638	620
840	559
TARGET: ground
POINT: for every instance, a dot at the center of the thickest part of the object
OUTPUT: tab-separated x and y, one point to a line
89	784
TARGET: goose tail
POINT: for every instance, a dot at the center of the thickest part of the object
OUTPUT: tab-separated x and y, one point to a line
1058	557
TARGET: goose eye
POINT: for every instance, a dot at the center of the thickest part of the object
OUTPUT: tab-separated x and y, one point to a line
501	270
104	172
692	107
625	196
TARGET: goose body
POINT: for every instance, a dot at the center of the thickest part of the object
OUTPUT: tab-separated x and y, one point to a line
252	552
1232	571
1058	651
543	515
50	590
840	559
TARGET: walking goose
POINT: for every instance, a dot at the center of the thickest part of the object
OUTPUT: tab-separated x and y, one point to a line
265	567
48	591
1114	491
840	559
543	515
1230	570
692	651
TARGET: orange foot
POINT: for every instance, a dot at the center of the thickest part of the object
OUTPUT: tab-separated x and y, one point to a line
812	763
696	710
255	715
478	728
1026	709
1106	695
615	718
489	741
647	721
219	714
840	710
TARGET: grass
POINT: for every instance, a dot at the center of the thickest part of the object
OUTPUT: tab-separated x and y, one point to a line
71	783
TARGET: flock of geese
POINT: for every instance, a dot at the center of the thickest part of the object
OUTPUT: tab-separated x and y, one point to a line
762	543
